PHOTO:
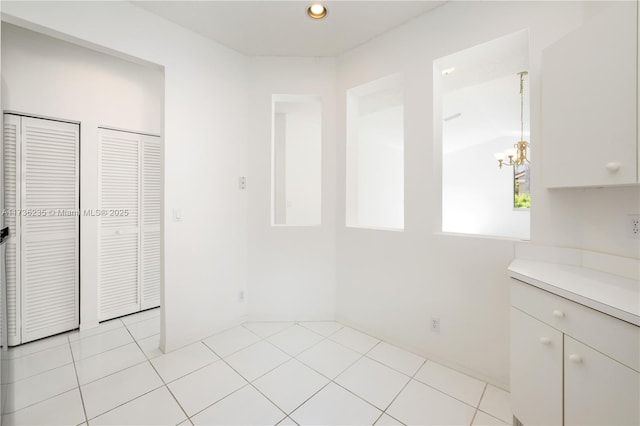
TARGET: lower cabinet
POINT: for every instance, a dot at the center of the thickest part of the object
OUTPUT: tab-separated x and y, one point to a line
556	378
536	371
598	390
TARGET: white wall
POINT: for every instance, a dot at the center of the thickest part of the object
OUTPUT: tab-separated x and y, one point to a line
204	152
391	283
303	129
291	268
380	169
47	77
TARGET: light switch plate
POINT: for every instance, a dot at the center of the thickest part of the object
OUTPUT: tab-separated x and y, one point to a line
177	215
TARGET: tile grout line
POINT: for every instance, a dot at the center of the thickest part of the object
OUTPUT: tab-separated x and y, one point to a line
249	383
69	342
39	373
8	385
361	355
475	413
161	378
15	348
294	357
77	332
291	357
400	391
126	402
84	408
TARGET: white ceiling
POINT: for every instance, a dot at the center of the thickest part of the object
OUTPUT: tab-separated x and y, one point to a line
282	28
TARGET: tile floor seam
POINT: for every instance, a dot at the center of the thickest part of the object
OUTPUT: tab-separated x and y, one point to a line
289	357
395	369
42	400
269	399
104	351
484	390
398	394
308	399
37	374
218	400
14	348
457	371
190	372
250	383
320	334
446	394
161	379
133	399
84	408
78	331
114	372
337	343
264	374
491	415
234	352
35	403
293	323
475	413
348	390
369	350
124	403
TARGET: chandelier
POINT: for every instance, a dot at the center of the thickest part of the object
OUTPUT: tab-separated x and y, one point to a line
518	155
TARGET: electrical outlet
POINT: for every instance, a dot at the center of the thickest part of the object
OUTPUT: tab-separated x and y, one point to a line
435	324
242	182
241	296
633	226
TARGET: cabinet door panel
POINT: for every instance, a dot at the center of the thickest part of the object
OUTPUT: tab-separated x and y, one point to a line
536	370
589	104
598	390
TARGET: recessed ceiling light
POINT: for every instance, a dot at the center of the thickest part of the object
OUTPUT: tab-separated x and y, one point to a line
448	71
317	11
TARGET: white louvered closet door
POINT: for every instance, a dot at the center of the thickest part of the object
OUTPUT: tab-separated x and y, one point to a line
41	163
11	167
150	239
119	204
129	248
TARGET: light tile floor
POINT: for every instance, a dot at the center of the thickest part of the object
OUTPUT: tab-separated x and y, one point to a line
257	373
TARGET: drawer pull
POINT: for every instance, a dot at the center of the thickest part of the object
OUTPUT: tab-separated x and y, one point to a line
545	340
576	359
558	314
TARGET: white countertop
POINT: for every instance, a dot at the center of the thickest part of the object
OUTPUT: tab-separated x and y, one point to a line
612	294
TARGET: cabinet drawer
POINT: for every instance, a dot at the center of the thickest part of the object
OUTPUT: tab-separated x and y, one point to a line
616	338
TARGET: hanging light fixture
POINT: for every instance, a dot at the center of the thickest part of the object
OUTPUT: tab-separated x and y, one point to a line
519	154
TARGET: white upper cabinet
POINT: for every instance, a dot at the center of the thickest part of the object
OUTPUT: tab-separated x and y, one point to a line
589	102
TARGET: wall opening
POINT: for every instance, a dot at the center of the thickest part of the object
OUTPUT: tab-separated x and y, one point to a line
478	103
296	147
375	155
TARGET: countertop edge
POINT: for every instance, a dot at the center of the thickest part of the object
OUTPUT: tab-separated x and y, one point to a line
575	297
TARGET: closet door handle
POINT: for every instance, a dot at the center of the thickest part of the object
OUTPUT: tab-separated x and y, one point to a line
576	359
557	313
545	340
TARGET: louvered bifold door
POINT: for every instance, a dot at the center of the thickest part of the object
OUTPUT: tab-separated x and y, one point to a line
50	225
11	169
150	216
119	204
